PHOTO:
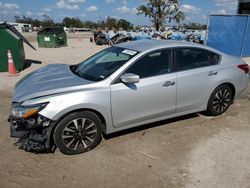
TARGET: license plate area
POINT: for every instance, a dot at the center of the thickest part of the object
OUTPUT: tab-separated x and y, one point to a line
17	128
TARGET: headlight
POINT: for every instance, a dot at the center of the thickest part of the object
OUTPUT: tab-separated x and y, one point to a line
27	111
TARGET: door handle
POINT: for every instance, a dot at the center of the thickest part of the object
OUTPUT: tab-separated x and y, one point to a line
212	73
168	83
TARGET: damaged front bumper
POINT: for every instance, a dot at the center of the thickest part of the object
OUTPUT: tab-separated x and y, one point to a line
34	133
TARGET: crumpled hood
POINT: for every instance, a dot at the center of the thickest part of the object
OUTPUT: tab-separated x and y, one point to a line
52	79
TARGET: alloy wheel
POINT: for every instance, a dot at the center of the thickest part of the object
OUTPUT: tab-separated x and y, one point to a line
222	100
79	134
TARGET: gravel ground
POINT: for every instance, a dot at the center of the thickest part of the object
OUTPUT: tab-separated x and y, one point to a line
190	151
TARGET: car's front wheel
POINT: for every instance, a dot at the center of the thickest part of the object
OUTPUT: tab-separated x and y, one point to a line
78	132
220	100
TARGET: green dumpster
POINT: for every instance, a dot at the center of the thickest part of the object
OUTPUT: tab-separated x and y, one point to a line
52	38
11	39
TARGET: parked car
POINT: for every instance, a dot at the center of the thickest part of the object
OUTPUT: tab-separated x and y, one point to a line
121	87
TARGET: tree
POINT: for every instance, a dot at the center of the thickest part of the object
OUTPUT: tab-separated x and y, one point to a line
90	24
193	25
161	10
124	24
111	23
47	21
28	20
72	22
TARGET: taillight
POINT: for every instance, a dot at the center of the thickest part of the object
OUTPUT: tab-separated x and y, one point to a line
244	67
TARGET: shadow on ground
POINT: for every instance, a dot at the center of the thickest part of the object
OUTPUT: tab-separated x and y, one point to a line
29	62
149	126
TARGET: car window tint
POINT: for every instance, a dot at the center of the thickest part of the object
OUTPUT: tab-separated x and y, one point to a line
112	57
104	63
152	64
214	58
190	58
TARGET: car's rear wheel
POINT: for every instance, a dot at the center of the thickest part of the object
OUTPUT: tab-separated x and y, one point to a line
220	100
78	132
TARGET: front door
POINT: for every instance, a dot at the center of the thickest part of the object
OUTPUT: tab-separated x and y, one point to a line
154	96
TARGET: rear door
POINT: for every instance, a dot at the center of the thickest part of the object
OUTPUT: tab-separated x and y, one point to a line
197	74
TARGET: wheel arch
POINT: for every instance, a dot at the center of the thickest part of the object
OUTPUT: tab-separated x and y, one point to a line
55	123
223	83
208	107
99	114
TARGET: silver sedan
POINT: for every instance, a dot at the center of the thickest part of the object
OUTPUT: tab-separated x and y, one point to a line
121	87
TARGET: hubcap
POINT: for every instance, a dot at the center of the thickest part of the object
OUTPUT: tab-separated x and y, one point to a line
221	100
79	134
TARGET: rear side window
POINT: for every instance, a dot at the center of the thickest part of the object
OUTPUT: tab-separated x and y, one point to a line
191	58
153	64
214	58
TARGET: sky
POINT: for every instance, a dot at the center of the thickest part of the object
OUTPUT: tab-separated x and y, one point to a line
194	10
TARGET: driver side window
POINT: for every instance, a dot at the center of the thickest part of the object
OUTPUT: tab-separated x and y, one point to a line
153	64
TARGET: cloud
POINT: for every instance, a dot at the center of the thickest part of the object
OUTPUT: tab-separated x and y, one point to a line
134	11
3	12
11	6
124	2
72	7
92	8
76	1
60	4
229	5
122	10
83	15
204	17
110	1
47	9
226	3
29	13
221	11
40	13
186	8
63	5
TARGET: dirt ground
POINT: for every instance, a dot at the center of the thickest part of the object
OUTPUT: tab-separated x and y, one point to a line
190	151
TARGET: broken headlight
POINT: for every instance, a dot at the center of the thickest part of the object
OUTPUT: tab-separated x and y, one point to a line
27	111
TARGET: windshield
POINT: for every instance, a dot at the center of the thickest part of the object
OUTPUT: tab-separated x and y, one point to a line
104	63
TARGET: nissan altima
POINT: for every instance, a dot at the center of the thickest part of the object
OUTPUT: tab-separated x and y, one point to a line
123	86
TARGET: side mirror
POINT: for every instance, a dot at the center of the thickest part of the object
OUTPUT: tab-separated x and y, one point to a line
130	78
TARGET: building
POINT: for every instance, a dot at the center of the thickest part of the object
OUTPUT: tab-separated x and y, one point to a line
244	7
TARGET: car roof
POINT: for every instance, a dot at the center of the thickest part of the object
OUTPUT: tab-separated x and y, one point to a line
144	45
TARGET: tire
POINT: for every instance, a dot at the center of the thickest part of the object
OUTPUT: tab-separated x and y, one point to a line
220	100
99	42
78	132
